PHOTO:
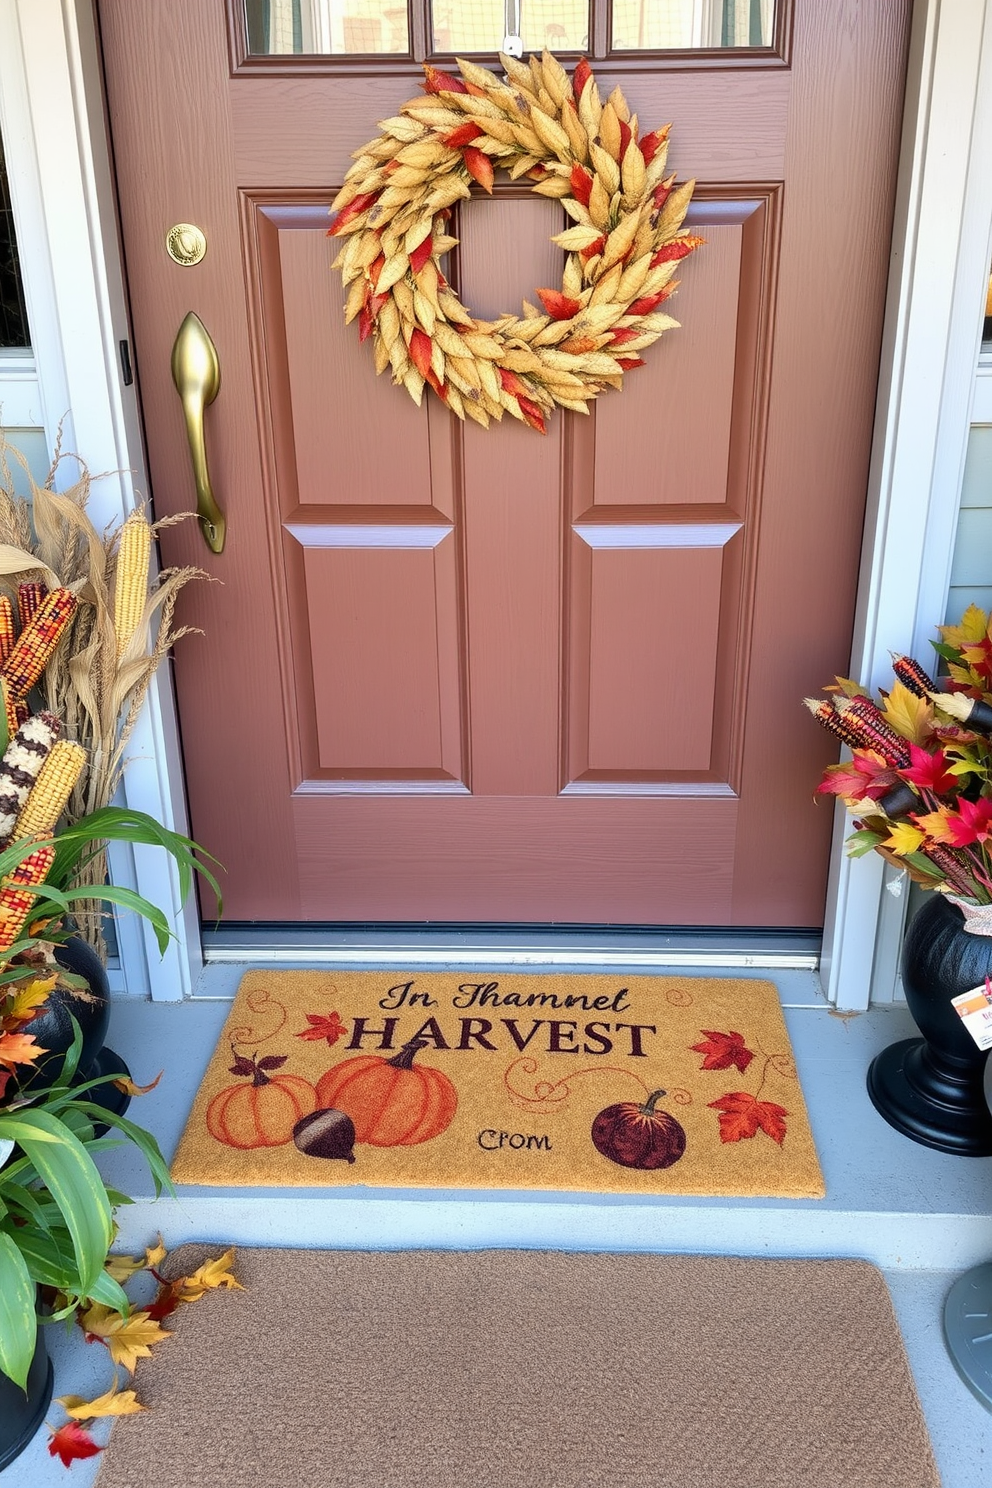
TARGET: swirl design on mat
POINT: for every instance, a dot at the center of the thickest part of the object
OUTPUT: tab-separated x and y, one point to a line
679	997
265	1006
549	1096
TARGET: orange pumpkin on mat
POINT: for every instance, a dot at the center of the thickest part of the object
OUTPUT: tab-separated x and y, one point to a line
392	1102
264	1113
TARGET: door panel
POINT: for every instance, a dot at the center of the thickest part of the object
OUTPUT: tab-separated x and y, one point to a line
457	674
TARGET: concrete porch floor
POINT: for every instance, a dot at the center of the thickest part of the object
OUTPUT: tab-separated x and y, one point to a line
919	1215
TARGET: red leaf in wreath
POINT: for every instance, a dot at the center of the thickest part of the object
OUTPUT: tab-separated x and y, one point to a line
623	334
587	253
647	303
512	383
579	345
558	305
661	195
441	388
420	354
72	1442
626	135
581	184
463	135
722	1050
677	248
366	321
420	254
629	363
479	167
442	82
742	1116
651	142
375	269
355	208
582	74
532	414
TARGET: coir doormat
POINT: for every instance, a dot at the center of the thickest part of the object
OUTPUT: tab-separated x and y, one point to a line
509	1369
599	1083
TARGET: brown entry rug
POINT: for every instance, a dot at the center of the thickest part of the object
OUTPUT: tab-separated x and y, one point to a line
527	1369
645	1085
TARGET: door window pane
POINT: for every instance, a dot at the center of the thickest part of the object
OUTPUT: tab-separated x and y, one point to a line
662	25
479	25
13	312
326	27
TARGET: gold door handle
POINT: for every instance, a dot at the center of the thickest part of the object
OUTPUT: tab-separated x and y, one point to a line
196	373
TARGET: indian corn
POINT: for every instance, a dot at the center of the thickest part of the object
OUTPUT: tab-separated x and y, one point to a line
15	903
21	765
131	578
37	641
49	796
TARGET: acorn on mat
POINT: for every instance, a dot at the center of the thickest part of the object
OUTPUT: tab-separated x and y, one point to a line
327	1133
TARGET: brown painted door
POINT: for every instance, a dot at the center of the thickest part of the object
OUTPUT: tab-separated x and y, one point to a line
468	675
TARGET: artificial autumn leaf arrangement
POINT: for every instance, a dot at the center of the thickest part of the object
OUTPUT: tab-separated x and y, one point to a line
129	1336
919	780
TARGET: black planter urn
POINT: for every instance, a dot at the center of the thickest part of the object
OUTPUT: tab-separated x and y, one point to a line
21	1413
53	1029
931	1088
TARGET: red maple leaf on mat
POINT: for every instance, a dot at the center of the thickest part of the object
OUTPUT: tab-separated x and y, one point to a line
71	1442
722	1050
741	1115
324	1026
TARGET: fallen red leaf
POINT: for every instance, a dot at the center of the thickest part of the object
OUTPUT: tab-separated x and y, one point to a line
581	184
558	305
741	1116
72	1442
165	1303
442	82
479	167
722	1050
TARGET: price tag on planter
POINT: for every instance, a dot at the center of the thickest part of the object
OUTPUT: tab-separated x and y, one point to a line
974	1008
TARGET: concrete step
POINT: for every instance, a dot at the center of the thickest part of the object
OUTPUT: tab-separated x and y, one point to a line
923	1217
888	1200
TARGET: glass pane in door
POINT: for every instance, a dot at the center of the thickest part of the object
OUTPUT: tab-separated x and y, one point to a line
326	27
664	25
479	25
13	311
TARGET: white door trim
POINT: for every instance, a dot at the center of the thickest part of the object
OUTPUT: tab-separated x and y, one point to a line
52	118
50	94
940	270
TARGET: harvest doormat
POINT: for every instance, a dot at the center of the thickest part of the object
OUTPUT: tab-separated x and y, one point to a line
598	1083
507	1369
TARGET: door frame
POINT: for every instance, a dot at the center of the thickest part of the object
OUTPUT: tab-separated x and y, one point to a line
51	93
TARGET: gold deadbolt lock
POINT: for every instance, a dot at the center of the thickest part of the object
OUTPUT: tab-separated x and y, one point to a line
185	244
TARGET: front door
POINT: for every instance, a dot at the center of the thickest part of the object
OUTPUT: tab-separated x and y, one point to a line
458	674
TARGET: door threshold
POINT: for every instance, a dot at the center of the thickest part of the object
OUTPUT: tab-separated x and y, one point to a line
427	945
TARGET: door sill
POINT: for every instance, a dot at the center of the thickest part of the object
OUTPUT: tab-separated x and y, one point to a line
593	946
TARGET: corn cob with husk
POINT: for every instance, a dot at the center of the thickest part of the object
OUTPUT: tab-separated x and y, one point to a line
21	766
49	796
131	578
36	642
15	903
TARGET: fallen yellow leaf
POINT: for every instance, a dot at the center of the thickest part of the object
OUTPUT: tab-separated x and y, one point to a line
113	1403
128	1339
206	1277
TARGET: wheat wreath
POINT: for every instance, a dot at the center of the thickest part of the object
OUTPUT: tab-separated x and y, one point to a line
622	249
